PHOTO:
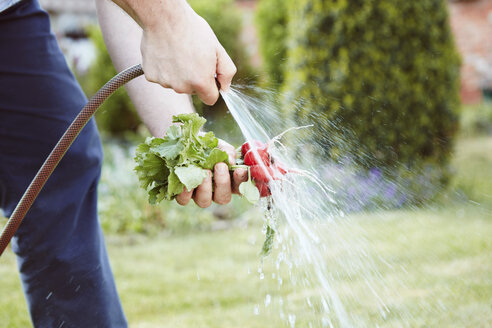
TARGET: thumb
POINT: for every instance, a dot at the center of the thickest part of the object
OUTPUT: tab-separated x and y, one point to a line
225	69
229	149
207	91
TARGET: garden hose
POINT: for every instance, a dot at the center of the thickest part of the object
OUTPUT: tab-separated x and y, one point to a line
60	149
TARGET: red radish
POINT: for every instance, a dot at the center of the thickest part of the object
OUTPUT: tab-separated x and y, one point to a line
256	144
261	174
280	168
250	158
263	189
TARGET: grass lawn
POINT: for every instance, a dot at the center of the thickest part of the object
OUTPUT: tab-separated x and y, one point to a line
434	268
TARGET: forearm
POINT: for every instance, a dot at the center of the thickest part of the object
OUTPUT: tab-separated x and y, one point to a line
149	13
155	104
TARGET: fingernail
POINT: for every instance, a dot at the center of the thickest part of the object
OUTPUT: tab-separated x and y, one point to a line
222	168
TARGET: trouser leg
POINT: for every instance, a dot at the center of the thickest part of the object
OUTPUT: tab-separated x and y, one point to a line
62	258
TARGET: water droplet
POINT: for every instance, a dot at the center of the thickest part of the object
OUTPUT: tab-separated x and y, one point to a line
383	314
256	311
268	300
198	276
49	295
252	240
292	320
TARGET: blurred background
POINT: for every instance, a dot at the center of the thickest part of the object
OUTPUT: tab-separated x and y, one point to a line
409	81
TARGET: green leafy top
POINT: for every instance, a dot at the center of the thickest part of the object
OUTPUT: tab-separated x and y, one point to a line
180	159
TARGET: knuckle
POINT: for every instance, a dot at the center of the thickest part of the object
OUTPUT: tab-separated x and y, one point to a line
203	203
182	88
233	69
200	86
165	85
240	175
181	201
225	199
220	168
221	180
151	78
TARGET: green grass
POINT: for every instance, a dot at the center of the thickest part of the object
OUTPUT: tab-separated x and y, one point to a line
13	309
433	267
440	275
473	163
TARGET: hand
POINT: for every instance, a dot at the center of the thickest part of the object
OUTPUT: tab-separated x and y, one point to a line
223	188
181	52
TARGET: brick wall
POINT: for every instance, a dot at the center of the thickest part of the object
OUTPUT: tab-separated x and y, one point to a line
471	22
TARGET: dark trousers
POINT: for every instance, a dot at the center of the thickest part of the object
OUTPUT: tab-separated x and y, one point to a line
60	249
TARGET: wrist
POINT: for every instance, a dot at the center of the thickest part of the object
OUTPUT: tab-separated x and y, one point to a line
152	14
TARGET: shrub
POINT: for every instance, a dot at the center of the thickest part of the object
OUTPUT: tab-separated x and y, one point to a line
386	70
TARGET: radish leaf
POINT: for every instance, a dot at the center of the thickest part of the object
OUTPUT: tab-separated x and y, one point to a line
249	191
166	165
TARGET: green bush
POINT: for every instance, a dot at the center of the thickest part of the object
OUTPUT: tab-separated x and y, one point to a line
117	115
271	22
386	70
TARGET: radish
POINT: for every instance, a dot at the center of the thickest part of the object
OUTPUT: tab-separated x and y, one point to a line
262	167
250	158
261	174
280	168
256	144
263	188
